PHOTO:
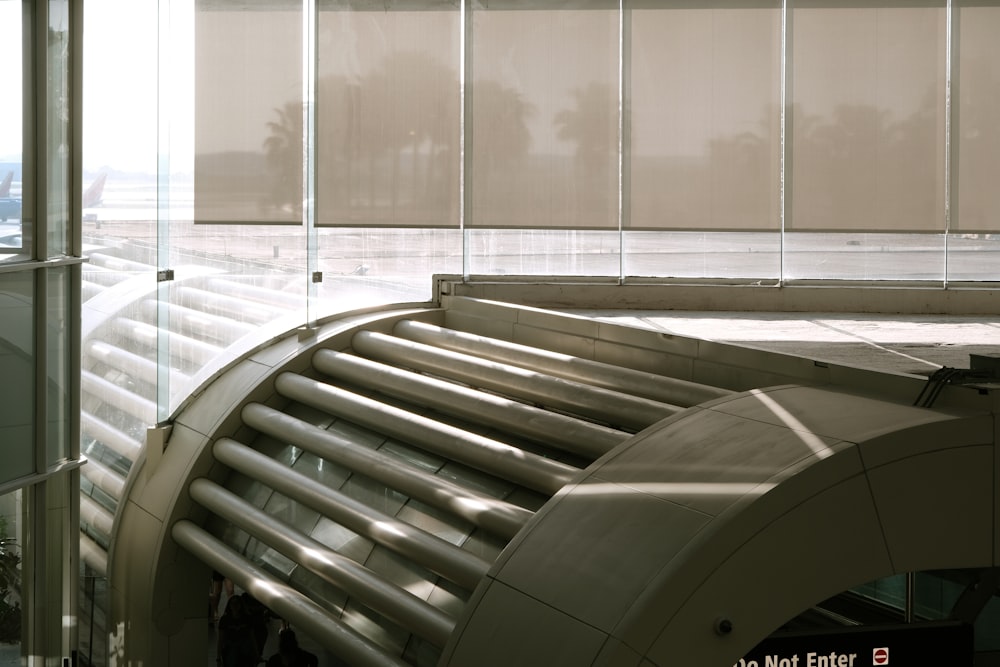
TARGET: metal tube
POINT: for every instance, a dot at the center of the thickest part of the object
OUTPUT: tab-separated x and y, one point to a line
128	362
444	558
549	428
204	324
640	383
183	347
496	516
93	555
490	456
282	300
611	407
119	265
119	397
104	478
299	610
110	437
239	309
98	517
386	598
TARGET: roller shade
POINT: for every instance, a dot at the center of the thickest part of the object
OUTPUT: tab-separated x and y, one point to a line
705	101
867	125
248	112
975	128
388	132
544	115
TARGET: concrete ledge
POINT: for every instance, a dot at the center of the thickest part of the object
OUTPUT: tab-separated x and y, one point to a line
603	293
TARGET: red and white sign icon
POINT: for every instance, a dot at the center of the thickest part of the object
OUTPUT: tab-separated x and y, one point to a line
880	656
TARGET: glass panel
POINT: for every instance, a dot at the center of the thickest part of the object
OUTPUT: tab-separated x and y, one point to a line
973	257
545	99
543	252
248	112
292	513
388	108
436	522
703	254
342	540
11	130
119	139
975	135
867	92
705	100
17	368
328	474
57	117
364	267
975	110
59	336
860	256
12	590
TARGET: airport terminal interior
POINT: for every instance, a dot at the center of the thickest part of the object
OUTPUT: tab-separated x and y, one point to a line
487	333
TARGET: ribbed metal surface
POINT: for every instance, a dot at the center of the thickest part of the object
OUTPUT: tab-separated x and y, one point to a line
418	464
369	496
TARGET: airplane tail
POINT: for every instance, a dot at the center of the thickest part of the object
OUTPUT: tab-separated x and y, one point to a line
5	184
93	195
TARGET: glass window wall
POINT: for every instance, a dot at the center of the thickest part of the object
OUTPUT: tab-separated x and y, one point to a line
12	205
374	145
17	367
12	584
866	142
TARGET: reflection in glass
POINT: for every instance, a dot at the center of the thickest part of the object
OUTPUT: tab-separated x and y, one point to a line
17	368
11	581
59	336
11	174
57	118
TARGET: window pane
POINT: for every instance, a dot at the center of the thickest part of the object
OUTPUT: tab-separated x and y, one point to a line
388	108
705	94
11	130
867	87
57	118
248	111
11	580
547	252
711	254
974	114
544	86
59	335
863	256
17	367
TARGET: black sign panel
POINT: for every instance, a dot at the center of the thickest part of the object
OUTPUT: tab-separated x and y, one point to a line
914	645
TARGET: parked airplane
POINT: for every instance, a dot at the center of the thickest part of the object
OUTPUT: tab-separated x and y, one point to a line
94	195
10	207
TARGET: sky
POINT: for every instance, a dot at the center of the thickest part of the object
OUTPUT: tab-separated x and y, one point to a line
10	62
120	82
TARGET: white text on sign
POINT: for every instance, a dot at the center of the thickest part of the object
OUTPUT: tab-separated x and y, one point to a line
812	660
